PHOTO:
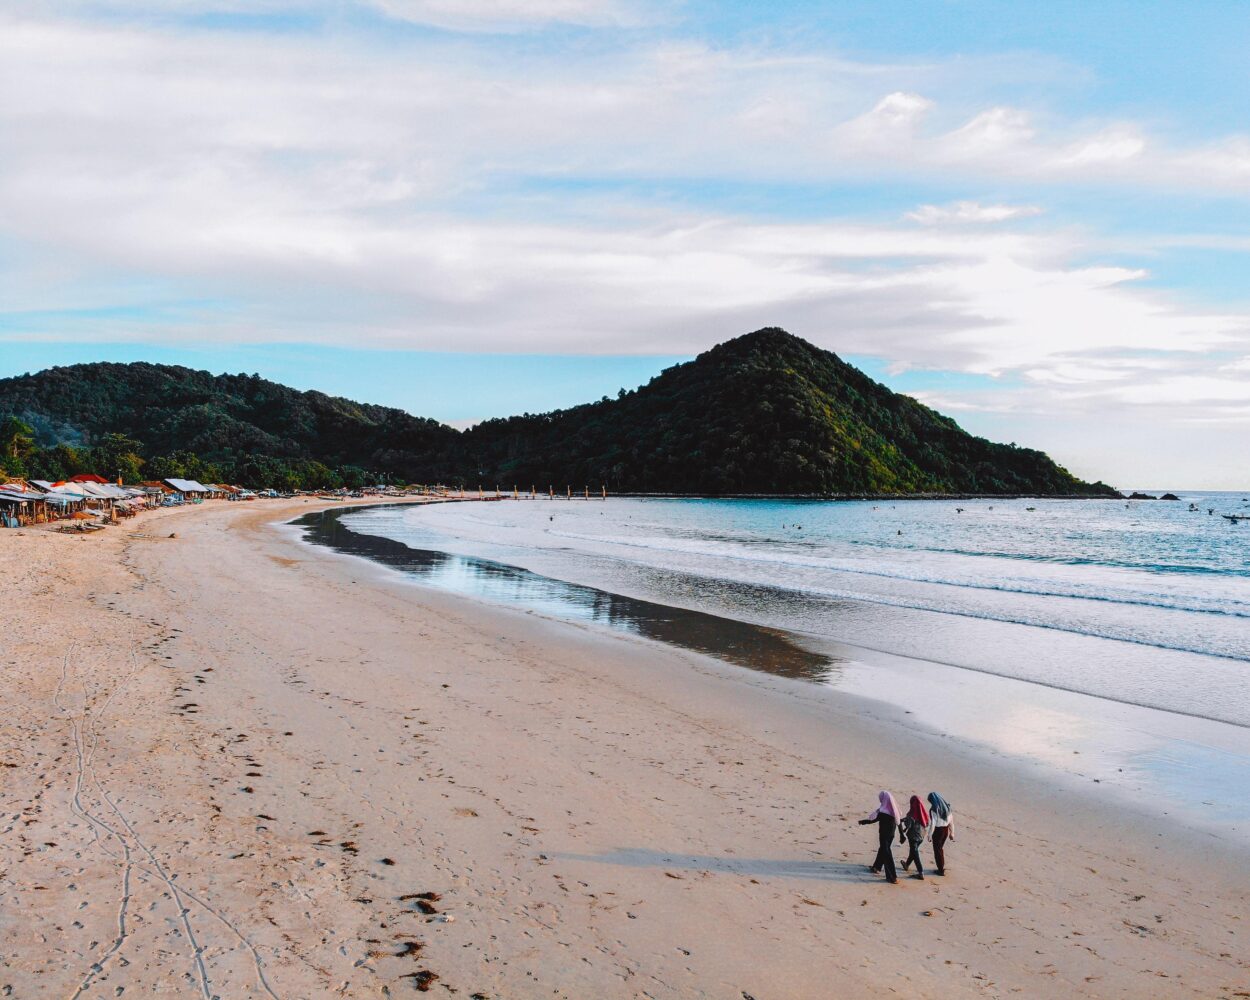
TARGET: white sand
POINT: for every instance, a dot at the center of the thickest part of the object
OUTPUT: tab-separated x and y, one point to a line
213	744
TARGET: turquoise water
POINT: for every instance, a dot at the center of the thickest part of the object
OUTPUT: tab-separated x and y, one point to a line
1144	602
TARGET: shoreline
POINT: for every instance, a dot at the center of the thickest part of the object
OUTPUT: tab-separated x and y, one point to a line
1109	735
828	496
601	816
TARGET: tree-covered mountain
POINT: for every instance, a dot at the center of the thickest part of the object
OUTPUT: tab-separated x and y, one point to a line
241	426
763	413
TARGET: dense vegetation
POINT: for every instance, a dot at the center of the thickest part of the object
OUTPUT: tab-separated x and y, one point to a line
764	413
235	428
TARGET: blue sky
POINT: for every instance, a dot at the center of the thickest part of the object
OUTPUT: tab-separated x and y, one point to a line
1030	216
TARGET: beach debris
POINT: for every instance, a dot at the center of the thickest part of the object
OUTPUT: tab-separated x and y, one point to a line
422	979
388	861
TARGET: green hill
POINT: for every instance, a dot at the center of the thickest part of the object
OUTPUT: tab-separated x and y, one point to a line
763	413
240	426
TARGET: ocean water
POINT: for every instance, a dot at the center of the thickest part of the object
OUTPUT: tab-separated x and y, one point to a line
1144	603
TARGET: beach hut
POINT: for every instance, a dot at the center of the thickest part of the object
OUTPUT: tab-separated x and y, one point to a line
101	497
62	498
24	504
187	489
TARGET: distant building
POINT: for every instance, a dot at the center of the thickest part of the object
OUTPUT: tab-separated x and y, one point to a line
188	489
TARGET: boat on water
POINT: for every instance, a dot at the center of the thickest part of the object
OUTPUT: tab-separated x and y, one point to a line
1236	517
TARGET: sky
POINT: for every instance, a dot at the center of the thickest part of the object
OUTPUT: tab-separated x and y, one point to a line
1032	217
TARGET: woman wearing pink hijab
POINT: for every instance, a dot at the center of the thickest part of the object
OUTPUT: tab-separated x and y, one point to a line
886	817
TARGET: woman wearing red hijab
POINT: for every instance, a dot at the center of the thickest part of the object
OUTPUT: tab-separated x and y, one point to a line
911	832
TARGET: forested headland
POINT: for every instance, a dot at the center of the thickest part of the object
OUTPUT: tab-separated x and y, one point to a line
766	412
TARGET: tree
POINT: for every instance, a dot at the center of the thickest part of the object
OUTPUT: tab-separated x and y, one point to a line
166	467
117	456
61	461
17	443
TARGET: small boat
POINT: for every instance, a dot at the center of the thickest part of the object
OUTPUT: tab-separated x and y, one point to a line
1236	517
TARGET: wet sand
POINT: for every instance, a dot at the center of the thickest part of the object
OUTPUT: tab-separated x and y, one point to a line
236	766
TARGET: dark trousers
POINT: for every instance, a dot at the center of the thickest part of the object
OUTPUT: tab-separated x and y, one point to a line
913	856
885	852
939	847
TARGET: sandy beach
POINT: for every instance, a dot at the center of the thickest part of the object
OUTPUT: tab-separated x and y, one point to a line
233	765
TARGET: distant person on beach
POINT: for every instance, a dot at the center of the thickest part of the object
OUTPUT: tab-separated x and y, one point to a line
911	832
886	818
940	825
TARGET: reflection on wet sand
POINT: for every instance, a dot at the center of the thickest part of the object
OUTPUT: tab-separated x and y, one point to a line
735	642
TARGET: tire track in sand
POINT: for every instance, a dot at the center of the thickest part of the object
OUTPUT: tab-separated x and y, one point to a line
84	764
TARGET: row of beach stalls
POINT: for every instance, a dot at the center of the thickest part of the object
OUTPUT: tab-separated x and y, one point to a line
92	500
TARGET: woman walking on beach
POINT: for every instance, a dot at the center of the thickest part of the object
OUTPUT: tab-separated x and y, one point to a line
886	818
940	824
911	832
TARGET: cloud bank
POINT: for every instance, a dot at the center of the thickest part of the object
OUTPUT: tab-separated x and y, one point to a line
484	187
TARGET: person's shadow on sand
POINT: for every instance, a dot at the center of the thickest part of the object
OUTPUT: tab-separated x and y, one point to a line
641	857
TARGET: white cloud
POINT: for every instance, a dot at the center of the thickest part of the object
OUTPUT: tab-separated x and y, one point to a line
455	15
513	15
989	134
1110	146
970	212
314	187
